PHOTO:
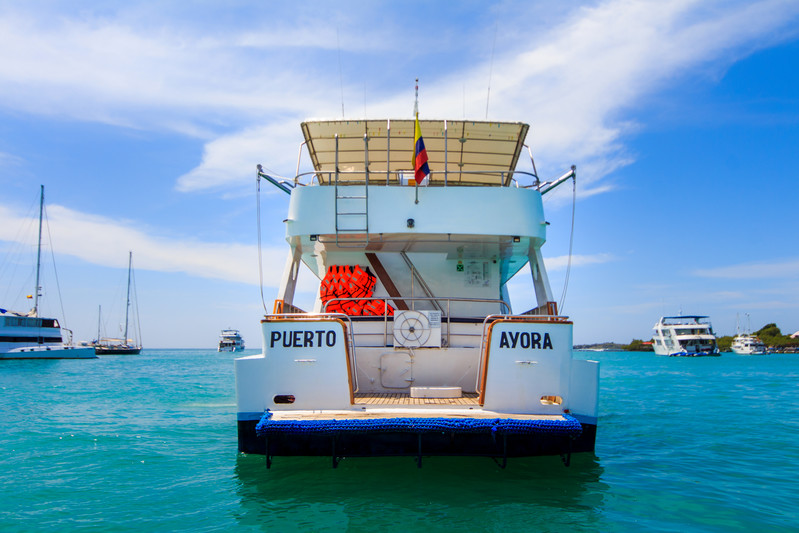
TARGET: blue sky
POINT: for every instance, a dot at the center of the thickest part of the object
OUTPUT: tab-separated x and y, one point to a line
145	120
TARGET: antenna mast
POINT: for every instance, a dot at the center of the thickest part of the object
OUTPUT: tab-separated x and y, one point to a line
38	256
491	70
127	302
416	100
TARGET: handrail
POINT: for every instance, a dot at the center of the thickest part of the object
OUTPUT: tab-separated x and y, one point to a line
425	298
448	301
499	173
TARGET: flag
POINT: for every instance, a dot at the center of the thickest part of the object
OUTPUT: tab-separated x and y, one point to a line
420	167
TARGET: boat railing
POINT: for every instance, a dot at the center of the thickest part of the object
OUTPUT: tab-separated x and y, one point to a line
286	310
443	303
490	178
282	312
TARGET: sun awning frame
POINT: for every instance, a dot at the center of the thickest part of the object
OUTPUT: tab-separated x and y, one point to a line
459	152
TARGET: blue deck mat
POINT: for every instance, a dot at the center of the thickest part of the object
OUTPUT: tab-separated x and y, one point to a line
569	426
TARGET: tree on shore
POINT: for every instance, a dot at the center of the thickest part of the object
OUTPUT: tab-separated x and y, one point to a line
637	345
771	335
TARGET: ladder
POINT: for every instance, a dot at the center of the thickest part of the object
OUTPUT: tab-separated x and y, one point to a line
352	207
352	215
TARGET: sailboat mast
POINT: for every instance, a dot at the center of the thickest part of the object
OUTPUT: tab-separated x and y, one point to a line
38	257
127	304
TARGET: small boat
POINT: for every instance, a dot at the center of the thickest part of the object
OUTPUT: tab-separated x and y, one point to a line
745	343
125	345
412	347
230	341
30	336
684	336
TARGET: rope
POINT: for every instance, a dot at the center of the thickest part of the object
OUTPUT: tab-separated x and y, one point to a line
55	272
571	243
568	426
258	223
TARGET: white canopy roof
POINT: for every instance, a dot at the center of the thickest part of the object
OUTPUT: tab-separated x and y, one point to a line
472	153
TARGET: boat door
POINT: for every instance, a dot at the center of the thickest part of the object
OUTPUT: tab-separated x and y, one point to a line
396	370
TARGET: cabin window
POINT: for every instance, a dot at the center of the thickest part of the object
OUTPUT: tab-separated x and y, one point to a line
551	400
284	398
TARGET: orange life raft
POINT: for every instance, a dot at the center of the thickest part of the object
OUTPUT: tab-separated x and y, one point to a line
345	281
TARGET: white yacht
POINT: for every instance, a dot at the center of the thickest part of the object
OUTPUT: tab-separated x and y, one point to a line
230	341
688	336
30	336
411	347
745	343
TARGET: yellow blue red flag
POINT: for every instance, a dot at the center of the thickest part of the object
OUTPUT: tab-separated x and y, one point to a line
420	167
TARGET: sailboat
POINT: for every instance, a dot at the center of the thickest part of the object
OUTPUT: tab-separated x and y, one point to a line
30	336
125	345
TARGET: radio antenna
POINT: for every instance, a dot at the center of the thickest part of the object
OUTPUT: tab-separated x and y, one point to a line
416	100
340	74
491	69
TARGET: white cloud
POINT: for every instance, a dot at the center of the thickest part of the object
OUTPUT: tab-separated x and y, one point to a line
7	160
561	262
788	269
110	71
232	158
243	91
574	82
82	235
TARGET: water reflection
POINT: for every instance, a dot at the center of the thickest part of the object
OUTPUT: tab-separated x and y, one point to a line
392	494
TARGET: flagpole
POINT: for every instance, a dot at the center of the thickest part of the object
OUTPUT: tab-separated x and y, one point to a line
416	100
416	114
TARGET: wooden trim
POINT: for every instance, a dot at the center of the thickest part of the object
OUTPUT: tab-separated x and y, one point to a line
404	398
484	369
385	279
347	349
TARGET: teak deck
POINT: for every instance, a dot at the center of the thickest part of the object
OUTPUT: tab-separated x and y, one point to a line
396	398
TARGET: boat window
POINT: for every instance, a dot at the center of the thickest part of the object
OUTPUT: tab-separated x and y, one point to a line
551	400
284	398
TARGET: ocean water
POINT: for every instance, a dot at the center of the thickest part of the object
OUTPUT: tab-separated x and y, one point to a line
148	443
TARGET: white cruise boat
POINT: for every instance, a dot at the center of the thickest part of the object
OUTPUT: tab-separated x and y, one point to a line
687	336
230	341
745	344
412	347
30	336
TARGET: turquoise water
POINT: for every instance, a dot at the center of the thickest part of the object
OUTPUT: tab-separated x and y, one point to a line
148	443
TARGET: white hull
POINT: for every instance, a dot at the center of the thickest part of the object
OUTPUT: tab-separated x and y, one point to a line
230	349
50	352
